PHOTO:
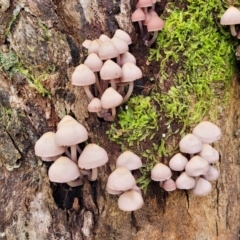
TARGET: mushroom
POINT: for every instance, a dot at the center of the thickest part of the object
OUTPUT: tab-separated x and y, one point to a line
160	172
129	160
212	174
168	185
207	132
123	35
139	16
197	166
46	148
154	24
190	144
209	153
107	51
130	72
70	134
104	38
178	162
86	43
92	157
202	187
127	57
144	4
185	182
94	46
63	170
121	179
231	17
84	76
64	119
120	45
95	106
130	201
111	99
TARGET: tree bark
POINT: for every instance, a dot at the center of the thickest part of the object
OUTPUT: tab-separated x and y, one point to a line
46	36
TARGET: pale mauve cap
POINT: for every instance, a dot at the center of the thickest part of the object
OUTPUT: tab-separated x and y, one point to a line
107	51
155	23
197	166
138	15
212	174
129	160
64	119
94	46
209	153
110	70
130	72
92	156
178	162
190	144
71	133
123	35
160	172
63	170
207	132
127	57
202	187
231	16
130	201
144	3
169	185
111	98
185	182
120	45
46	147
113	192
94	62
121	179
95	105
104	38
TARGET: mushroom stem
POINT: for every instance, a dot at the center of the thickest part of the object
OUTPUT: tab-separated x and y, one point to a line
129	92
84	172
93	176
233	30
75	183
68	153
74	153
88	92
113	84
141	28
150	42
98	84
79	150
111	117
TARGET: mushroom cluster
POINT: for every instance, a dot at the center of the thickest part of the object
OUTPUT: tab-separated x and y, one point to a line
148	20
231	17
111	68
194	162
70	167
121	182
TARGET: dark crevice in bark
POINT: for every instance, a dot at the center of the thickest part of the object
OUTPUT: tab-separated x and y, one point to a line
134	222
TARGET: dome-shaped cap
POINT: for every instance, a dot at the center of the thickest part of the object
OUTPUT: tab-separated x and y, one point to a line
107	51
63	170
169	185
94	62
231	16
185	182
127	57
110	70
212	174
138	15
160	172
207	132
113	192
144	3
130	72
197	166
92	156
155	23
104	38
202	187
129	160
94	46
71	133
178	162
95	105
46	147
190	144
120	45
121	179
86	43
83	76
209	153
123	35
64	119
130	201
111	98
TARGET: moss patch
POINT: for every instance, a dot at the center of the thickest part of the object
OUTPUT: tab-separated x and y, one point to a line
196	57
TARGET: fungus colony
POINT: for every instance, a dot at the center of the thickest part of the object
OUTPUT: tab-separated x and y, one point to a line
70	167
111	68
148	20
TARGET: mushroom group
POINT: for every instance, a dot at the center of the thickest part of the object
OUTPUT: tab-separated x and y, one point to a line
121	182
71	163
148	20
231	17
194	162
111	68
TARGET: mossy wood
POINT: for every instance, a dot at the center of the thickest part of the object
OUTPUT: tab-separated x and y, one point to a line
40	45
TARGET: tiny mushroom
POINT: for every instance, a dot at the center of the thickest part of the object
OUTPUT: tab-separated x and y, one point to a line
190	144
129	160
92	157
160	172
197	166
123	35
168	185
212	174
185	182
231	17
209	153
139	16
178	162
202	187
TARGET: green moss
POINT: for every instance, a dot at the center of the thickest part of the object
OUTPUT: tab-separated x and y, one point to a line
196	57
10	63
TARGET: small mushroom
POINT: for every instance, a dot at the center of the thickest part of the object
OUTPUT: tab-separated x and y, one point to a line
212	174
209	153
123	35
185	182
92	157
168	185
139	16
190	144
202	187
129	160
178	162
197	166
160	172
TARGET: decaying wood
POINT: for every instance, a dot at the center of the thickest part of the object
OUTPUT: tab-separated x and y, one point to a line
50	33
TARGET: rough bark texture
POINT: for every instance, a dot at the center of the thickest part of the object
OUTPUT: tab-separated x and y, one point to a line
47	37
